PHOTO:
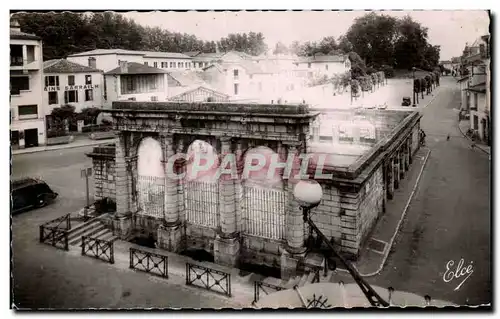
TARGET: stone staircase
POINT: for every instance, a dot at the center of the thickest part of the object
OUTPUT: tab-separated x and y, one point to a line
94	228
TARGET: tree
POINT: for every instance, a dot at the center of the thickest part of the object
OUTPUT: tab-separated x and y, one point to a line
410	45
62	116
327	45
344	45
280	48
251	43
90	114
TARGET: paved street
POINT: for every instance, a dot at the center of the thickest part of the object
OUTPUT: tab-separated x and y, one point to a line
449	216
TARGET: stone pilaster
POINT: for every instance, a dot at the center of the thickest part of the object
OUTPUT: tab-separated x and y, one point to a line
122	224
180	168
238	185
226	244
170	233
390	179
402	160
395	166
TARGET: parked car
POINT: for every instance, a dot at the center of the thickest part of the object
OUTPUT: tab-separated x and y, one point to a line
28	193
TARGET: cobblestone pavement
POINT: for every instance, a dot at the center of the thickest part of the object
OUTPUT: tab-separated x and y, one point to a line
448	219
49	278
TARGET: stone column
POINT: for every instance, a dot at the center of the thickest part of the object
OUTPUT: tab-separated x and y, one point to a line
226	244
407	155
395	166
390	179
410	143
238	193
122	223
170	233
401	155
295	250
25	55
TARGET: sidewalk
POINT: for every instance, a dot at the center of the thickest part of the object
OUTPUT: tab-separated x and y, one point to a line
463	126
376	249
79	141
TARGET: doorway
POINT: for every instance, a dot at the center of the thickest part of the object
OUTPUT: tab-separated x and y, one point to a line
31	137
14	139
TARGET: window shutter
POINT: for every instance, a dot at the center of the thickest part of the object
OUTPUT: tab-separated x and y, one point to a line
57	80
46	81
76	96
66	97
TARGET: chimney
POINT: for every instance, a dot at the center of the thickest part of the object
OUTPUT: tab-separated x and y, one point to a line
92	63
123	66
14	25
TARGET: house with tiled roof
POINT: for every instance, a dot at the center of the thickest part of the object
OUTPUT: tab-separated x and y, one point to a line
320	64
27	125
108	59
189	86
135	81
67	82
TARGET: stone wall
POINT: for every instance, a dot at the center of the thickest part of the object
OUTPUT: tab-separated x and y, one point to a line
104	178
327	215
199	237
371	204
261	251
415	138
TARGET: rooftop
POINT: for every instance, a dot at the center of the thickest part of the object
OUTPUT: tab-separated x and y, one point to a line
18	35
147	54
323	58
136	68
65	66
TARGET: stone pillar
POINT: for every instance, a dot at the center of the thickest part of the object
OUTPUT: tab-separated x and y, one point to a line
295	250
238	193
170	233
407	155
410	144
180	168
226	244
395	166
402	170
122	223
390	179
25	55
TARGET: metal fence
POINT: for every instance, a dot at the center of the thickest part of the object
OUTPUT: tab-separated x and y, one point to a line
98	248
202	203
149	262
263	212
151	195
266	288
207	278
55	232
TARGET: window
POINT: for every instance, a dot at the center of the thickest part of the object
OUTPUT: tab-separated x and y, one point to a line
28	111
145	63
236	86
18	84
89	95
309	65
164	65
182	64
475	101
71	80
71	96
155	64
178	65
52	80
326	67
236	73
88	79
172	64
53	99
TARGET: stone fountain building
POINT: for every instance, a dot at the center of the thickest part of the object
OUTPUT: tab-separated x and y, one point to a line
239	221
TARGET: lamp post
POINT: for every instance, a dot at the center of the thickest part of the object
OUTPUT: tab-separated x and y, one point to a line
308	194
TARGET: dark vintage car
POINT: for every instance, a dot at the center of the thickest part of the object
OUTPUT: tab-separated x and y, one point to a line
30	193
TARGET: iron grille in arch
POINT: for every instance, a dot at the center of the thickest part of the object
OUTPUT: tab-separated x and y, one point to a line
264	212
202	203
151	195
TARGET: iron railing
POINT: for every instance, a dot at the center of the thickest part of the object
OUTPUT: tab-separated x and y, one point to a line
151	195
149	262
55	232
98	248
207	278
265	288
263	212
202	203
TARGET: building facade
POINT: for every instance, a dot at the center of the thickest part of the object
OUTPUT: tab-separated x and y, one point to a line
69	83
27	116
108	59
135	81
321	65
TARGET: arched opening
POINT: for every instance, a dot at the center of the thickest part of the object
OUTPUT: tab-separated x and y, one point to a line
201	189
151	178
263	198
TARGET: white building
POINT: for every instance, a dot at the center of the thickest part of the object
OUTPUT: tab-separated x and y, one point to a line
135	81
329	65
108	59
27	116
66	82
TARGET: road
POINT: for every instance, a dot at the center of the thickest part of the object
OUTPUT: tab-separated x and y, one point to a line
449	217
45	277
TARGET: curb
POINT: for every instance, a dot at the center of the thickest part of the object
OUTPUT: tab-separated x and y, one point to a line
16	152
391	242
473	144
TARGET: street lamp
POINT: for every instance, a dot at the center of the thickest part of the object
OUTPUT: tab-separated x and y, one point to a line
308	194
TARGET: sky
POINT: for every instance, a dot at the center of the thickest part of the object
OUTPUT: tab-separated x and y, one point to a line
450	29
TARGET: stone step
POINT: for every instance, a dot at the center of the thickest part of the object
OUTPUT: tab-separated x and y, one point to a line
292	282
89	233
80	229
